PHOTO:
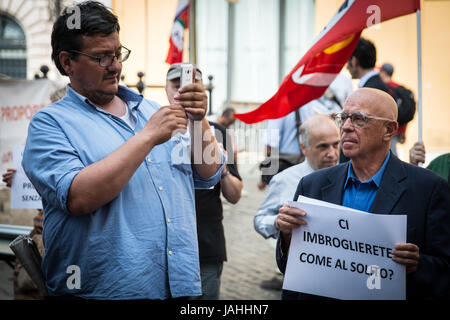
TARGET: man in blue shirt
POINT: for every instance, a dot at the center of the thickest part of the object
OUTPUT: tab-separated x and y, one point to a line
376	181
115	175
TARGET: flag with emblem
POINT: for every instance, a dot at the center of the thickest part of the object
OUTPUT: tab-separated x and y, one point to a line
327	56
176	40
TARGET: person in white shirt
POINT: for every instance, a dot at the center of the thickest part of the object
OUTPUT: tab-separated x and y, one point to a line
319	142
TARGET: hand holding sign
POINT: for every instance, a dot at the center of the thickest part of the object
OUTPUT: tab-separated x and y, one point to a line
408	255
23	193
7	177
289	218
344	253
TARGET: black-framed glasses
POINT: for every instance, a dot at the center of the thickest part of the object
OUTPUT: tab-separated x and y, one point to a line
107	60
358	119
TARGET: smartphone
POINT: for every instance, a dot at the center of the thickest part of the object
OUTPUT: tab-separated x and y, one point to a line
187	74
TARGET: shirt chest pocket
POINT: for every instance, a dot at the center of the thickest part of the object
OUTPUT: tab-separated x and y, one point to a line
180	153
175	153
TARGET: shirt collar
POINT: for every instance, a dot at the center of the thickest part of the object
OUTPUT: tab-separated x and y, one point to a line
132	99
376	177
308	167
366	77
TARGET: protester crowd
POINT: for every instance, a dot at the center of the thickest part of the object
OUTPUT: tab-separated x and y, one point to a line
133	197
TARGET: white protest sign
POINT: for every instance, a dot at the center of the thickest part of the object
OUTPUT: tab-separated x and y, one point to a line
332	255
23	193
20	100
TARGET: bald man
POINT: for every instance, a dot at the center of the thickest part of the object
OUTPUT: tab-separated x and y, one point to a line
382	184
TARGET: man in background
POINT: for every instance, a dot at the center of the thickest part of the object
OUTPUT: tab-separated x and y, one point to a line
319	142
208	203
361	65
405	103
226	119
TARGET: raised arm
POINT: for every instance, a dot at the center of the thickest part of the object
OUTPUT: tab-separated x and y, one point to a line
101	182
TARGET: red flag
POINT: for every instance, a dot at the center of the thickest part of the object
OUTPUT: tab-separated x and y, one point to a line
325	59
176	40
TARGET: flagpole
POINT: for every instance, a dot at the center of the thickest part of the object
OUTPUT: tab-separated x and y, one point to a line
192	33
419	70
230	49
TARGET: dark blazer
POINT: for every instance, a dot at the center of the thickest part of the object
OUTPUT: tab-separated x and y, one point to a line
405	189
376	82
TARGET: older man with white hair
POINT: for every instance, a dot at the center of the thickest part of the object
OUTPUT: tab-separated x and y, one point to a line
319	142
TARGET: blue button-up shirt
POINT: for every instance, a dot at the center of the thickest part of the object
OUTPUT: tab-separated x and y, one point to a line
141	245
282	134
360	195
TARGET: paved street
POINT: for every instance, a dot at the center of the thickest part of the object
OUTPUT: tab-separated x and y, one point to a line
6	281
251	258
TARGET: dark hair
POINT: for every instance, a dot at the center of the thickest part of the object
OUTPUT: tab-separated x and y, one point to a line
94	19
388	68
366	53
228	112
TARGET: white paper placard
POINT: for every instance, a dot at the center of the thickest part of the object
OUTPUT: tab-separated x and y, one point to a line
23	193
331	256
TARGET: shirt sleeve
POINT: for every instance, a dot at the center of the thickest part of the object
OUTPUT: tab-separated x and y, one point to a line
202	183
273	133
281	250
49	160
264	220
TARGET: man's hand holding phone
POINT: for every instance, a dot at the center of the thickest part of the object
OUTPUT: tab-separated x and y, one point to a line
191	95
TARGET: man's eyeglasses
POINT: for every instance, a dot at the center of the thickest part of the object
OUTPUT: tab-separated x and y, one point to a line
107	60
358	119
